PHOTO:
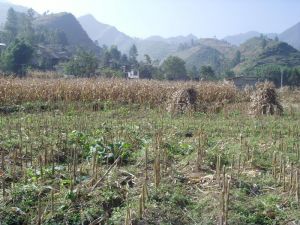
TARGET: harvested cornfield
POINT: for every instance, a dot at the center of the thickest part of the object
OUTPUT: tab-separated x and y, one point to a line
143	92
183	101
265	101
80	158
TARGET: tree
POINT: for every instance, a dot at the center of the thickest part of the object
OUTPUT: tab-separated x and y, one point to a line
229	74
147	69
19	25
270	72
30	13
148	59
174	68
207	73
82	64
16	58
113	58
111	73
11	24
115	54
294	77
133	54
193	73
26	30
124	60
263	43
4	37
105	59
237	58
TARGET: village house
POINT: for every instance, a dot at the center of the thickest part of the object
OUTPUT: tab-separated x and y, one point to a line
133	74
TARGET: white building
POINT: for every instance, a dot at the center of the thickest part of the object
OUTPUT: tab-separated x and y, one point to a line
133	74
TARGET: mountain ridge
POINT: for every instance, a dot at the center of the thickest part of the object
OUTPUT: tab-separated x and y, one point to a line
105	34
66	22
258	52
155	46
241	38
292	36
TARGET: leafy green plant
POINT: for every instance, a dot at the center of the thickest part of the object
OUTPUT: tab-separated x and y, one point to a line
110	152
180	148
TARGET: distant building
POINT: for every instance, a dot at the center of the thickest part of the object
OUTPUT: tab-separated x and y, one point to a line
2	44
133	74
242	81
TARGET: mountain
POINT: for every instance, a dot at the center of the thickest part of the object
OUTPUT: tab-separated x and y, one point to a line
250	40
159	48
245	59
239	39
66	22
155	46
292	36
172	40
105	34
216	53
258	52
156	49
4	6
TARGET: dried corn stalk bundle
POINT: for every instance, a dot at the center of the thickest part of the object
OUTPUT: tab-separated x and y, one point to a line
182	101
265	100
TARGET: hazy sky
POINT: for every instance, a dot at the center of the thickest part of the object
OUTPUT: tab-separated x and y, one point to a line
204	18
